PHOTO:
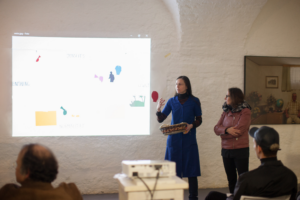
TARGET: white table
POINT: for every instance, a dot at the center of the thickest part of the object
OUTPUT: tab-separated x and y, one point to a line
166	188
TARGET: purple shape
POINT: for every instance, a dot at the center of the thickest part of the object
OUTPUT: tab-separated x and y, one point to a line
111	77
101	78
96	76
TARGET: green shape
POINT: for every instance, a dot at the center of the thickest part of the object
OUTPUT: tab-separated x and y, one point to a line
65	112
137	103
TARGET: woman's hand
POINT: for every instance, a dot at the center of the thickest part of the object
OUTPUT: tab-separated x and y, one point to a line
188	128
233	131
160	104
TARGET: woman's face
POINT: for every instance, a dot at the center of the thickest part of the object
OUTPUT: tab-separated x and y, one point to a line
180	86
228	98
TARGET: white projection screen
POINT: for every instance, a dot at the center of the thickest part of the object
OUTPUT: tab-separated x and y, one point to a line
63	86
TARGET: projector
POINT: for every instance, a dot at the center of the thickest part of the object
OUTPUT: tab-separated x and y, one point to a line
148	168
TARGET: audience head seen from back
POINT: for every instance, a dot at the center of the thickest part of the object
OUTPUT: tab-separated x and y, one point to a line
266	141
36	163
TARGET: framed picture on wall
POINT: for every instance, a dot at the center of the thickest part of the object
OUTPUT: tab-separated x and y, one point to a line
271	84
271	81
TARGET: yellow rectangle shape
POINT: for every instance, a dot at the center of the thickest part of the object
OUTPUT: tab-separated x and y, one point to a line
45	118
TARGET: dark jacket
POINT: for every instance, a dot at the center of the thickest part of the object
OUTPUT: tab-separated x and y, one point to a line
33	190
270	179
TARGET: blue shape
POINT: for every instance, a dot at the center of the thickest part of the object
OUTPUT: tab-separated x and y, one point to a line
111	77
118	69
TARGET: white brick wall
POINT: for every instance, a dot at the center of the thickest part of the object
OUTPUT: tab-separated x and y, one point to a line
215	35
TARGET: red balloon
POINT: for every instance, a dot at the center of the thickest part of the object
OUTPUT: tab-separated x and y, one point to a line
154	96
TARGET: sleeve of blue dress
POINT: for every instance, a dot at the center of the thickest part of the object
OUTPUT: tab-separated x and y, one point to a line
198	111
168	108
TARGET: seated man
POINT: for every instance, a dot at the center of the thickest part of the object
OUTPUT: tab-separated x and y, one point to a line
36	169
271	178
292	111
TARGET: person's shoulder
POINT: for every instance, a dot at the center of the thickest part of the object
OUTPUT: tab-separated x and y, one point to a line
195	97
196	100
250	174
8	190
172	99
10	186
71	189
68	186
289	172
246	111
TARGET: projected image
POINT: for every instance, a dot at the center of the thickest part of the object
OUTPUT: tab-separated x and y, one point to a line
80	86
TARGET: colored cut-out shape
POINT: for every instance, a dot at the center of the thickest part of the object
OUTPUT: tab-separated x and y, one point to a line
77	115
65	112
117	112
38	59
111	77
73	115
96	76
154	96
101	78
118	69
167	55
45	118
137	103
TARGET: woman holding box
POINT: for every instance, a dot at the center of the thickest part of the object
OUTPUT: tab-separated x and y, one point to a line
182	148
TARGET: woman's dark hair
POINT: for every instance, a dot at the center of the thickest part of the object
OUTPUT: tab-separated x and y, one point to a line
42	166
236	95
187	83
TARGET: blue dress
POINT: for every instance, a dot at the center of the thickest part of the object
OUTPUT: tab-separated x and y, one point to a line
183	148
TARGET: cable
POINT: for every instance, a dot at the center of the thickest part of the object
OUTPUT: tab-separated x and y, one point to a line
157	176
146	186
151	193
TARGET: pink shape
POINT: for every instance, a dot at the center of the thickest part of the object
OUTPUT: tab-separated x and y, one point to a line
154	96
38	59
101	78
96	76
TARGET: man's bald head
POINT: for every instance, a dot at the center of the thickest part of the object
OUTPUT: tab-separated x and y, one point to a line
39	162
38	150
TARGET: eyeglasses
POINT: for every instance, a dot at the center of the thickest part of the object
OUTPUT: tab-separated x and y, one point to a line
227	96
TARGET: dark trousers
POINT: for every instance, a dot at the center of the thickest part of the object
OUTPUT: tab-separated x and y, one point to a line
193	188
232	165
216	196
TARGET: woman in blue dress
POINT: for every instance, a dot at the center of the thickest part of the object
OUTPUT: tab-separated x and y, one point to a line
182	148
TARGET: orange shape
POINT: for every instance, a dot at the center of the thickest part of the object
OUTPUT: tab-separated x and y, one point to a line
77	115
45	118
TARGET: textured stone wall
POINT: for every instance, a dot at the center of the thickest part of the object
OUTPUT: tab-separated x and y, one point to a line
215	35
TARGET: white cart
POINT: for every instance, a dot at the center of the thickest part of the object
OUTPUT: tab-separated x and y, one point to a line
166	188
